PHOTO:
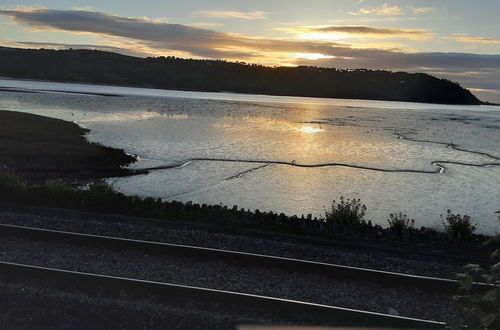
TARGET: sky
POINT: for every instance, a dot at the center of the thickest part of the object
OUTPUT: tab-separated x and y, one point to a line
454	39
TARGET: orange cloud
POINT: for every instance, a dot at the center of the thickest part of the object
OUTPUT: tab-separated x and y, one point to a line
484	90
469	39
363	31
384	10
149	37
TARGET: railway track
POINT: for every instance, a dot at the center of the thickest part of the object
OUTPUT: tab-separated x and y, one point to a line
330	314
284	308
427	252
390	279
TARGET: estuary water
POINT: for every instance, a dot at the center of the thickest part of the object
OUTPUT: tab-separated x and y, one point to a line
288	154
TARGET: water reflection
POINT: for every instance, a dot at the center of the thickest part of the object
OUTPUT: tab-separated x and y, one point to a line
236	141
310	129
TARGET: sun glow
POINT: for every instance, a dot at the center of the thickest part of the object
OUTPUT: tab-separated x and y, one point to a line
310	129
312	56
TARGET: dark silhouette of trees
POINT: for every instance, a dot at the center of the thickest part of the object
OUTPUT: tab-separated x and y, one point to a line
92	66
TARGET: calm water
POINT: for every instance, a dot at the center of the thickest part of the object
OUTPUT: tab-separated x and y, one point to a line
289	154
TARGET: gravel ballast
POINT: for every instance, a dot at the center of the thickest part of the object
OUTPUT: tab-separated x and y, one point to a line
212	273
224	275
442	264
28	303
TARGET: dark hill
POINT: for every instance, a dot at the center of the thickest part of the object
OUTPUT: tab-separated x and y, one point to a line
92	66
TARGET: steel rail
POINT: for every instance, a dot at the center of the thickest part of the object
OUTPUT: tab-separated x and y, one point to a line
282	307
385	278
135	220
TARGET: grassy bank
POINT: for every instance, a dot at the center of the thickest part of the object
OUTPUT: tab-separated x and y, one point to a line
40	148
100	197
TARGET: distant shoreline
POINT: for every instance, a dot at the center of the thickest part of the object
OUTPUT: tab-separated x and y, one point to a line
170	73
20	90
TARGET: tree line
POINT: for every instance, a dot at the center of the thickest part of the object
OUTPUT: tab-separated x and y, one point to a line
93	66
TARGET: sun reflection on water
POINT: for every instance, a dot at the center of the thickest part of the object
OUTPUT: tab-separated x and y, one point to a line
310	129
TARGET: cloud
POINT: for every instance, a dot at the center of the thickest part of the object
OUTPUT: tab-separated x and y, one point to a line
384	10
422	10
148	37
365	31
205	24
469	39
21	8
233	14
213	44
196	41
52	45
484	90
387	10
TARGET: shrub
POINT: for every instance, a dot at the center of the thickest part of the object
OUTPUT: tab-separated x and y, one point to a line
458	226
101	187
479	309
399	223
9	182
346	213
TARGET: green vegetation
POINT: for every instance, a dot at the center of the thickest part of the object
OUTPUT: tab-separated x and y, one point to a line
91	66
400	224
41	148
100	197
458	226
345	221
479	310
345	215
